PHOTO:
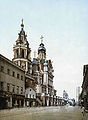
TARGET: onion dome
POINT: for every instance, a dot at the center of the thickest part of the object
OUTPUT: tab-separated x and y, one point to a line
41	48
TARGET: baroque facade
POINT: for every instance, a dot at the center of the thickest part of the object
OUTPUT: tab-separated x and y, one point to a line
36	76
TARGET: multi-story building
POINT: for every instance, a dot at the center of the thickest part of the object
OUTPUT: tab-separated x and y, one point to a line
22	57
12	84
45	89
83	98
24	82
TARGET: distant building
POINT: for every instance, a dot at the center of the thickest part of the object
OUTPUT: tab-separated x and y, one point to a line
77	94
65	95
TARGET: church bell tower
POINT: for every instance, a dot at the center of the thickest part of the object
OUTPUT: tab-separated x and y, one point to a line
22	52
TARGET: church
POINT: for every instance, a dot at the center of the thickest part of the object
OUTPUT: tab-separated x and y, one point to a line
26	82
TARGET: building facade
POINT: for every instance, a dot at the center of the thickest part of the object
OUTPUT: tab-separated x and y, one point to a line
22	57
83	98
12	84
26	82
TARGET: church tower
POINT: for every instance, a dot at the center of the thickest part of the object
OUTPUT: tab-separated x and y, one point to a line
41	52
22	52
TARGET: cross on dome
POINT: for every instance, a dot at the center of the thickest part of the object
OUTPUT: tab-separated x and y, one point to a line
22	25
41	38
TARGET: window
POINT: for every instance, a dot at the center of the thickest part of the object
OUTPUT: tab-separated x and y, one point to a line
38	68
17	53
21	90
8	87
33	96
8	71
13	74
22	38
22	53
18	76
2	69
1	85
30	95
13	88
26	95
17	89
21	77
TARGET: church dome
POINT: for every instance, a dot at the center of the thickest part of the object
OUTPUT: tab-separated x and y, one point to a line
41	48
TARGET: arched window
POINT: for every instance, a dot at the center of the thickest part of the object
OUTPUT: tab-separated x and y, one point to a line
17	53
22	55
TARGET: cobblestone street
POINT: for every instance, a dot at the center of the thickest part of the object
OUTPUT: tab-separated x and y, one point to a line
42	113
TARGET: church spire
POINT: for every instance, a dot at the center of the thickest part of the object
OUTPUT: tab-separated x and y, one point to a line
22	51
22	32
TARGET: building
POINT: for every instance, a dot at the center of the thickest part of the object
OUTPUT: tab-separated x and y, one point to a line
77	94
45	89
12	84
65	95
26	82
22	57
83	98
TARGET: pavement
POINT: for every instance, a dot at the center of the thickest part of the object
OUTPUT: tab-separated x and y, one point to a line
43	113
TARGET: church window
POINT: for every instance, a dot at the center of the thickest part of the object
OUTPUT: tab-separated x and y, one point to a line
17	53
22	38
22	53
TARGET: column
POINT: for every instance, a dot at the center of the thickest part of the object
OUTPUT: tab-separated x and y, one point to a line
10	103
47	101
24	103
15	103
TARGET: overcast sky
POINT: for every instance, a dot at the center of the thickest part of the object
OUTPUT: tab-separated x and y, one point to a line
63	23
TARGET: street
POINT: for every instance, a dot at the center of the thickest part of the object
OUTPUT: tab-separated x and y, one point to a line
43	113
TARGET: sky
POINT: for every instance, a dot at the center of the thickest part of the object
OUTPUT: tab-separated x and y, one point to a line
63	23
